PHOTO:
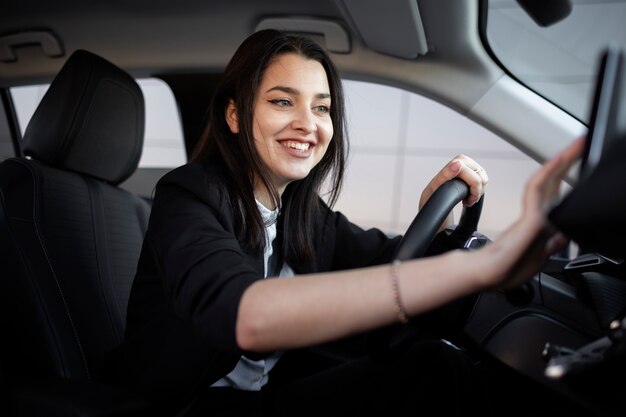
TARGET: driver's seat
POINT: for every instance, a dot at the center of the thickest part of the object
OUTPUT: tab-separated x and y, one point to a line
69	243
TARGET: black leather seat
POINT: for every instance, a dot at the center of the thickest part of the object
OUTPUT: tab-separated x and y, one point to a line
69	243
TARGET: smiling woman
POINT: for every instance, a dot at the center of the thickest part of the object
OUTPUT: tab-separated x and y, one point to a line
241	233
214	304
292	126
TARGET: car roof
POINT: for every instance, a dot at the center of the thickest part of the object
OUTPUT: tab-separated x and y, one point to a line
449	64
194	35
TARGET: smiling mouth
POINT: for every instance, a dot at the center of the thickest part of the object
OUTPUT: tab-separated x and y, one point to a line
296	145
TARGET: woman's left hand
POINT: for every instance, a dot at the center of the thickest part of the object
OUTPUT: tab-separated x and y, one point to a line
464	168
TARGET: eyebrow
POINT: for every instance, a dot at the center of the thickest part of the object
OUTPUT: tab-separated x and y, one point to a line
291	90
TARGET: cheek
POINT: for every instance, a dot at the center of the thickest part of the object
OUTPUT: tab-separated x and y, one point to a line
269	124
258	125
263	132
328	131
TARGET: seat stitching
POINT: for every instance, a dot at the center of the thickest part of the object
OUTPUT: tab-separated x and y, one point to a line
56	280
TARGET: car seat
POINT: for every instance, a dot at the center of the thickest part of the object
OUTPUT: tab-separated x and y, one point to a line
70	238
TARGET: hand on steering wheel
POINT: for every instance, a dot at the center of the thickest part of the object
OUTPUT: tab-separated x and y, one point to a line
424	227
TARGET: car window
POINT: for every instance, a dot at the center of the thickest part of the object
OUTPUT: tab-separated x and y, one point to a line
560	60
163	140
163	143
400	140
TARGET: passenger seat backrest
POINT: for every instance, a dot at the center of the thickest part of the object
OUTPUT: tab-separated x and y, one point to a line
69	236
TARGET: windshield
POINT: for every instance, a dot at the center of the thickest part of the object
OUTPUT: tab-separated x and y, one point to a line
558	61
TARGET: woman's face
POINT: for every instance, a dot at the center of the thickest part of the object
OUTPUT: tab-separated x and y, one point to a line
291	122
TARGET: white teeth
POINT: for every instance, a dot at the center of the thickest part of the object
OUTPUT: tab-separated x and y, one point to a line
296	145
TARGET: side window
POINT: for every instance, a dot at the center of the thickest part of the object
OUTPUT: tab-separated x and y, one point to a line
163	143
163	140
400	140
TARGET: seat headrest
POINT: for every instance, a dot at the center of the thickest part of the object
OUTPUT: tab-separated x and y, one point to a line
91	120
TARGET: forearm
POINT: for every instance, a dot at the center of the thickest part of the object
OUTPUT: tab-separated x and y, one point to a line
307	310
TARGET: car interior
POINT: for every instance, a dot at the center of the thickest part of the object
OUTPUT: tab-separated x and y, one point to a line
75	202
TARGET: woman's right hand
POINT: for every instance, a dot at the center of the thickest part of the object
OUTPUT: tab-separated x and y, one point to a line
526	245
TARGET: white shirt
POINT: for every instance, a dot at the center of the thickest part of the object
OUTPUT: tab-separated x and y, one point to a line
251	375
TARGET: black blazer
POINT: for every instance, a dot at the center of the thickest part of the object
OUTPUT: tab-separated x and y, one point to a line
192	272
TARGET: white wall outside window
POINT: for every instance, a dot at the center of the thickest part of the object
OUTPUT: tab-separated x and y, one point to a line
400	140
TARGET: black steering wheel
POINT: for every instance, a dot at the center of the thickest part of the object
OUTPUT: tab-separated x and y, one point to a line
416	240
424	227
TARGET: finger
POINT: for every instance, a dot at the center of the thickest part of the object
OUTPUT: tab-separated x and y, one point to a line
560	164
555	244
476	178
472	164
454	168
545	183
448	172
478	170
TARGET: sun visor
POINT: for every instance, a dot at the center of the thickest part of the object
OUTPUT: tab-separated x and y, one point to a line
593	213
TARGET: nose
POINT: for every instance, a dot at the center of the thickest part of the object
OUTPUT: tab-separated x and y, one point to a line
304	120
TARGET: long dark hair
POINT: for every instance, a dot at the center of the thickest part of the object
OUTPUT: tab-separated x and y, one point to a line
238	155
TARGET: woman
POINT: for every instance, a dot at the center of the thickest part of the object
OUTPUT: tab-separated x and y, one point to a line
205	326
